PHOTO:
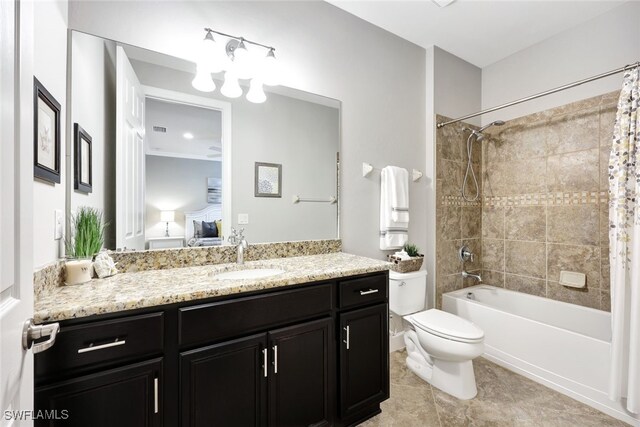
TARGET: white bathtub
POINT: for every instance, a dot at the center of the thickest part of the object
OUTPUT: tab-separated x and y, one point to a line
563	346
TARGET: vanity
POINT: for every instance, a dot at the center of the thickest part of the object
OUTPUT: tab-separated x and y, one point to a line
305	347
296	336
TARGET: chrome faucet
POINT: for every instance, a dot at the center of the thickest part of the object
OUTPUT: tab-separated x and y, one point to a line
473	276
237	239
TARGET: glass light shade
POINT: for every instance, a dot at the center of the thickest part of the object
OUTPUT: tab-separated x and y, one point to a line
243	62
209	59
231	88
203	81
167	216
270	75
256	92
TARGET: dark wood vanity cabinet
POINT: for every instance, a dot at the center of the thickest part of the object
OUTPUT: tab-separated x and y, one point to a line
127	396
306	355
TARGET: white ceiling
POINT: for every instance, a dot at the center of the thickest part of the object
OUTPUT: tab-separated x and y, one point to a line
204	124
480	32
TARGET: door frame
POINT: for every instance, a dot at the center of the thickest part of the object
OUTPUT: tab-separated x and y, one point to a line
213	104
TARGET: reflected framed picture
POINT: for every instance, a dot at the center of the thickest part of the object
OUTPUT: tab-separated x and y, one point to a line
82	154
46	134
214	191
268	181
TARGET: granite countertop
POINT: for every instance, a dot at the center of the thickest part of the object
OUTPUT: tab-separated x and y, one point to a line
128	291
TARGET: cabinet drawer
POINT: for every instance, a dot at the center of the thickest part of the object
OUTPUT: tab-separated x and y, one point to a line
99	343
363	290
242	316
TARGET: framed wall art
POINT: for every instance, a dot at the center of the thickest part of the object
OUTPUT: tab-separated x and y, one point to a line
268	180
46	134
83	160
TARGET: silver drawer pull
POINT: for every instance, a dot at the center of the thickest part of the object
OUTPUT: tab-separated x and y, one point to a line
348	338
265	365
369	291
101	346
155	395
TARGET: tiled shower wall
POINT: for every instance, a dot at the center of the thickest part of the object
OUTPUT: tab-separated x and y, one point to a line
458	223
544	203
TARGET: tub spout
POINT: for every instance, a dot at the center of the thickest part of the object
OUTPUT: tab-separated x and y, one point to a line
474	276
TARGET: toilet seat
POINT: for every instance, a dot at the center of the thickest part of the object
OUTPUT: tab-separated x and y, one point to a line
447	325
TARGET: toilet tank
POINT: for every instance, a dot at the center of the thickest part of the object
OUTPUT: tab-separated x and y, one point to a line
407	292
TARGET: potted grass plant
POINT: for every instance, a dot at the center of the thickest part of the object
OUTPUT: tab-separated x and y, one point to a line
405	263
85	242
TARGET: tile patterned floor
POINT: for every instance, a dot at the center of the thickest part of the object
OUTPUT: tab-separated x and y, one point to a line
504	399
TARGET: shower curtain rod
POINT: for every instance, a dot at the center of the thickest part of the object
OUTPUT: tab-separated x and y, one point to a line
538	95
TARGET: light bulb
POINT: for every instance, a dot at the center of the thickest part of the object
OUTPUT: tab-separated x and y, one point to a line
231	88
203	81
256	92
209	59
270	75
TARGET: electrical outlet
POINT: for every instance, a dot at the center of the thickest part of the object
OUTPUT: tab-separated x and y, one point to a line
243	219
58	224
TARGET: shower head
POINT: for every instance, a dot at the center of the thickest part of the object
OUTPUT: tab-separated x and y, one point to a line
496	123
478	133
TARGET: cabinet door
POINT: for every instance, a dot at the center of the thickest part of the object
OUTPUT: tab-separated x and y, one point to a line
364	358
225	384
301	386
125	397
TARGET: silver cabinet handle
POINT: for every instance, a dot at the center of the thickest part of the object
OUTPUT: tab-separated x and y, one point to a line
347	340
101	346
155	395
369	291
265	365
32	332
275	359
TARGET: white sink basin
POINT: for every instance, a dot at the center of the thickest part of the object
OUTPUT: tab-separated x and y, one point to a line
251	273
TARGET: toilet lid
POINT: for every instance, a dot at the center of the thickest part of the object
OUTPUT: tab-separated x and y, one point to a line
447	325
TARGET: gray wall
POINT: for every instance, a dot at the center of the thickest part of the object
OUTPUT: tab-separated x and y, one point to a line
379	77
50	68
175	184
301	136
609	41
93	91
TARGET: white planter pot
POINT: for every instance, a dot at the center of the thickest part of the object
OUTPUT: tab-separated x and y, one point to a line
78	271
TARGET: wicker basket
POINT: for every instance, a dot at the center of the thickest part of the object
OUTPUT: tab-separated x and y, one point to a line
407	265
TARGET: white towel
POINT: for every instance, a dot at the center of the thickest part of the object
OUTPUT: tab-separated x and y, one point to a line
393	234
399	195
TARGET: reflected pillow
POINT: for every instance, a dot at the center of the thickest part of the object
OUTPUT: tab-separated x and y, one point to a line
197	229
219	225
209	229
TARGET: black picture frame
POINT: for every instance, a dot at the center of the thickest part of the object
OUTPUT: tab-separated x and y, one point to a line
42	135
260	192
80	138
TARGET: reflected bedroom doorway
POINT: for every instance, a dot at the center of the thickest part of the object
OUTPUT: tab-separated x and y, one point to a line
183	174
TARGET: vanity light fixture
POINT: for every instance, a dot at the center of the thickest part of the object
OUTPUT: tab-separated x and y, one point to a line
240	59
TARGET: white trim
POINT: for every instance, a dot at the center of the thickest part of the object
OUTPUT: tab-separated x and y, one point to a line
183	156
225	108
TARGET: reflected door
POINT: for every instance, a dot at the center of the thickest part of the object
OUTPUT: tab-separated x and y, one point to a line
130	156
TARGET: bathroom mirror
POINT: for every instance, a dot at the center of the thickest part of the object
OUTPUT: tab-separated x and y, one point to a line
167	157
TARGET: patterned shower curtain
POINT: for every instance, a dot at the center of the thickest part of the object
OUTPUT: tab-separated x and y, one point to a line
624	241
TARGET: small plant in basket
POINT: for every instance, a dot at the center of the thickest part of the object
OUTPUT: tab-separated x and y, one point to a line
403	265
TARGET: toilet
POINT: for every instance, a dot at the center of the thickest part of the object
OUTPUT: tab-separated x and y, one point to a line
440	345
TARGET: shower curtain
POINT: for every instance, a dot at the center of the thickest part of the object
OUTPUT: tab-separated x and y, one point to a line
624	241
